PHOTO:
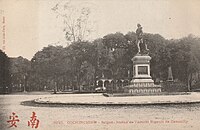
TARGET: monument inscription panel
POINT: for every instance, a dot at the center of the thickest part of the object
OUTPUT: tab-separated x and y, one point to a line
142	70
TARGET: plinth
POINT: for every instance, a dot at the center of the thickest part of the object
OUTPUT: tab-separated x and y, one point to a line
142	81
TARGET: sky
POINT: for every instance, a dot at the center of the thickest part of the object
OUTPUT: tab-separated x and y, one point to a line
31	25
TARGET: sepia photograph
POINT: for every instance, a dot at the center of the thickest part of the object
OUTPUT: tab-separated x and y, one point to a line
100	64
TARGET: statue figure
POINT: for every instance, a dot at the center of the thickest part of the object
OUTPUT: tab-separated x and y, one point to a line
139	39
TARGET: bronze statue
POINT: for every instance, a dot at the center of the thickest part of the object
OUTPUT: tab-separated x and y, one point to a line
139	40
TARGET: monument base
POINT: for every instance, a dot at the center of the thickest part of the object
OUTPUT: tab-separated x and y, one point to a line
142	81
142	87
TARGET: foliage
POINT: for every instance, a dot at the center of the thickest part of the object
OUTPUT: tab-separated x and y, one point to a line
4	73
185	57
80	64
20	72
77	20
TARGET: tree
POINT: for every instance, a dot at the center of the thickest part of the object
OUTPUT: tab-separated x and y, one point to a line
116	46
82	55
185	58
4	73
193	67
194	58
65	66
20	72
77	19
47	66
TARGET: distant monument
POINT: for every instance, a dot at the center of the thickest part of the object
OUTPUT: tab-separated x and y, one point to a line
170	76
142	81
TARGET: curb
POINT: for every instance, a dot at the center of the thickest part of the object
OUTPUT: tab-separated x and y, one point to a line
112	103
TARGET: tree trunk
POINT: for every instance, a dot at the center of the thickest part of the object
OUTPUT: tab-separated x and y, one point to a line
55	86
189	81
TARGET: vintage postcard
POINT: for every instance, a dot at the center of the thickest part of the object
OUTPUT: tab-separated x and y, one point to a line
99	64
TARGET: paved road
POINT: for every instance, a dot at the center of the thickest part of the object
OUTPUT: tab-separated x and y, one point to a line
173	117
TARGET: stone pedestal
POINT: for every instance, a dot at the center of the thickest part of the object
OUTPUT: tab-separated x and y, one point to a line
142	81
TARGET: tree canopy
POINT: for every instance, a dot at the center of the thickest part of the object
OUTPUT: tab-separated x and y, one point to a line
4	73
82	63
